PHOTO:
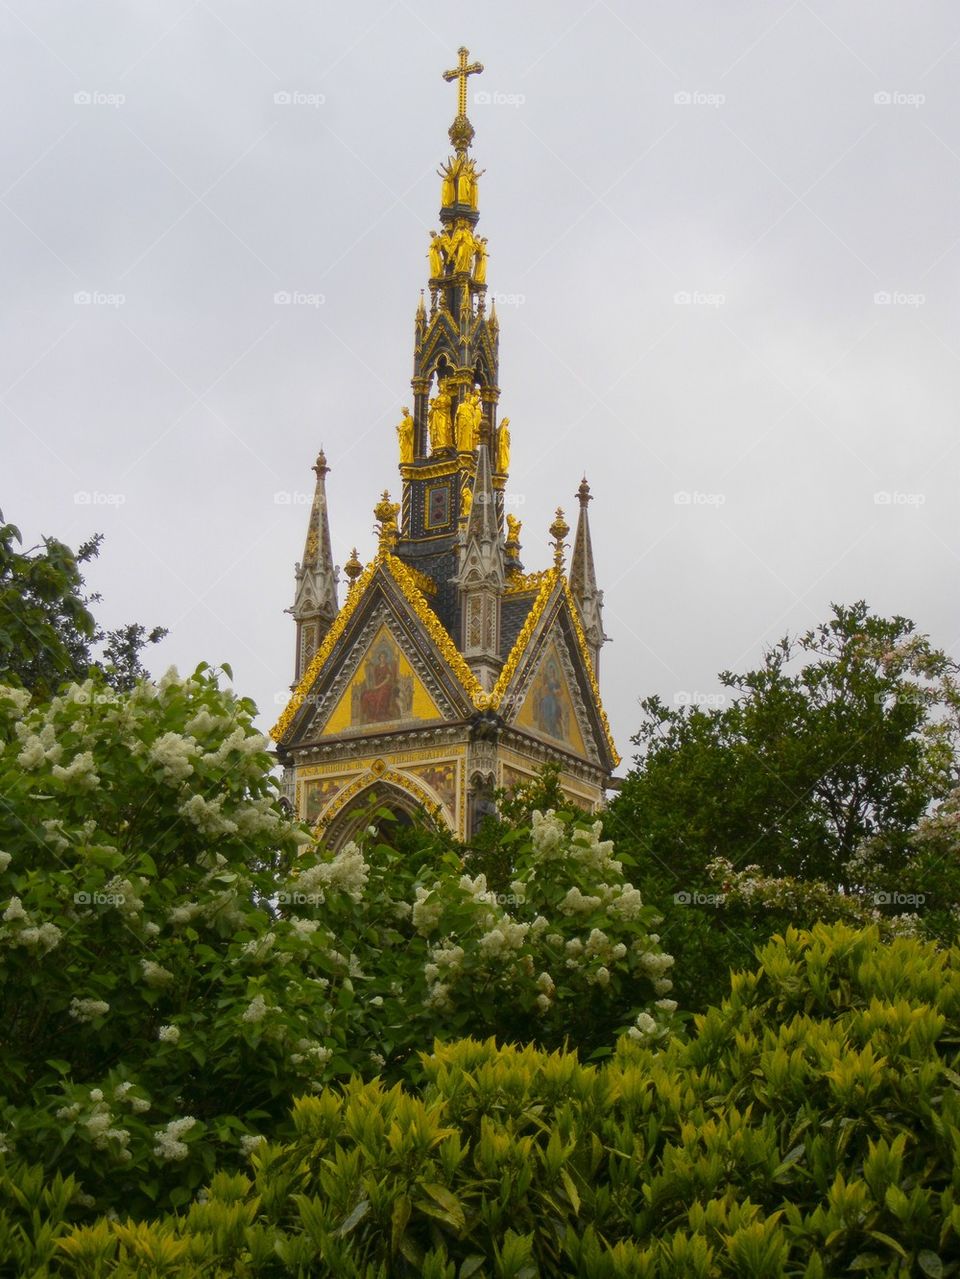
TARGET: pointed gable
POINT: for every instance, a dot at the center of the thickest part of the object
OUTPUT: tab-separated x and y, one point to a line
548	681
384	692
433	682
548	708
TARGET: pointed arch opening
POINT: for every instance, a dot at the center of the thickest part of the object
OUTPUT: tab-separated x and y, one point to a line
405	812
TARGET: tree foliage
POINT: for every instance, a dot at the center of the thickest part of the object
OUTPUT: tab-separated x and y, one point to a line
48	633
818	771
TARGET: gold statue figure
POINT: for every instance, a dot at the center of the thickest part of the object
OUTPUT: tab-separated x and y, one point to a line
503	447
469	414
448	190
435	254
480	260
439	423
463	244
405	431
466	502
513	530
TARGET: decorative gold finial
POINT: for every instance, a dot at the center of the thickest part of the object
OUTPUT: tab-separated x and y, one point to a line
558	531
583	492
386	513
320	465
353	568
461	131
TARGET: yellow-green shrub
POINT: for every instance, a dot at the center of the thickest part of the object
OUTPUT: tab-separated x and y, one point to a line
810	1127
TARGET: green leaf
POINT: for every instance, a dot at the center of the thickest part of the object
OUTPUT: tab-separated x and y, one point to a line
358	1214
398	1221
471	1265
789	1159
571	1190
930	1263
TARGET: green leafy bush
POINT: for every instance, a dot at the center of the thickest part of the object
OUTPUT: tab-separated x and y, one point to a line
810	1127
178	960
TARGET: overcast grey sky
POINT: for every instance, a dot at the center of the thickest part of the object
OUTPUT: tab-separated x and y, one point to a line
784	166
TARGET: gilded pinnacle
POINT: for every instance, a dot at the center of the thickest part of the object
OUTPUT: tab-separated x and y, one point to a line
461	131
558	531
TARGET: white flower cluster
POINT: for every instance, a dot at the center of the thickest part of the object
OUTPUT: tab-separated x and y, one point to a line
547	990
508	936
445	962
122	1093
592	852
155	974
311	1054
124	893
169	1034
185	914
42	937
53	829
644	1028
578	903
37	748
205	814
238	740
17	698
259	948
655	966
203	724
548	834
5	860
80	770
347	872
256	1010
175	754
427	909
169	1147
250	1141
84	1010
100	1126
258	817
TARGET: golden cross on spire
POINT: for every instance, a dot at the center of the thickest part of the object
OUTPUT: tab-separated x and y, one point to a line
461	131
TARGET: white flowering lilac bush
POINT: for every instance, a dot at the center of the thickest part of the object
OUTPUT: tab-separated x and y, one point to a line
141	844
178	959
416	953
